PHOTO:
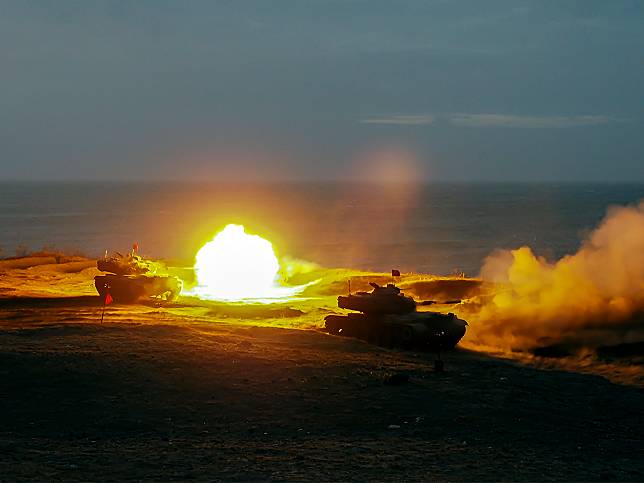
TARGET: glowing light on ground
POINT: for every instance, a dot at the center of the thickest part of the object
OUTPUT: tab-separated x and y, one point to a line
237	266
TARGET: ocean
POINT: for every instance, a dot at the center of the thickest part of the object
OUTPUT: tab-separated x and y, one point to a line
432	228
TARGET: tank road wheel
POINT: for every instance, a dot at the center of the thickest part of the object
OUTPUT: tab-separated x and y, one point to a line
175	286
169	296
385	338
372	336
333	324
406	337
398	337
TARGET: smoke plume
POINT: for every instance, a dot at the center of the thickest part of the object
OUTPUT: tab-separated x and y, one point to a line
594	297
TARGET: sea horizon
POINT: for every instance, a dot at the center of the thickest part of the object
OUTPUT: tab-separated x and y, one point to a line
431	227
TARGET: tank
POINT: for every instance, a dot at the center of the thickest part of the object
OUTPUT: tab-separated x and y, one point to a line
133	278
388	318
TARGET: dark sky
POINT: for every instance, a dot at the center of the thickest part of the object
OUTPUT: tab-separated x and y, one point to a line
439	90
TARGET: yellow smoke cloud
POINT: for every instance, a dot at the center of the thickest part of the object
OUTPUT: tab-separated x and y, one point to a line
530	300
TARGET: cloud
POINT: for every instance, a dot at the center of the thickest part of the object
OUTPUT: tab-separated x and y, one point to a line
527	122
408	120
493	120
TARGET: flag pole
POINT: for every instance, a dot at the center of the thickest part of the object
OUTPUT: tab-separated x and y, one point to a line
105	300
103	311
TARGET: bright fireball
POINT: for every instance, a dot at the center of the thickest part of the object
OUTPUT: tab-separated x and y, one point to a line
236	266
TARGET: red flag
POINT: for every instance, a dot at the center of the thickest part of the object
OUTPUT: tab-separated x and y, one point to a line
135	247
108	298
395	273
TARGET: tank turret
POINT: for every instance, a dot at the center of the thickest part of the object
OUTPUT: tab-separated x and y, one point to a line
131	264
381	300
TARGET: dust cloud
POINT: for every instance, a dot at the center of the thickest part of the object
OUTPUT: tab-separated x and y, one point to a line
592	298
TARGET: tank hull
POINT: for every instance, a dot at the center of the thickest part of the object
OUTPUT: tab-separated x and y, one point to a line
133	288
424	331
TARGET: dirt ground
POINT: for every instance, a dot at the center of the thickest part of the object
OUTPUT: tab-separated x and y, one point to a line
150	395
214	391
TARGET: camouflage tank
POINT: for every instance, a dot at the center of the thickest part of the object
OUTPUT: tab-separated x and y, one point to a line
390	319
132	278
